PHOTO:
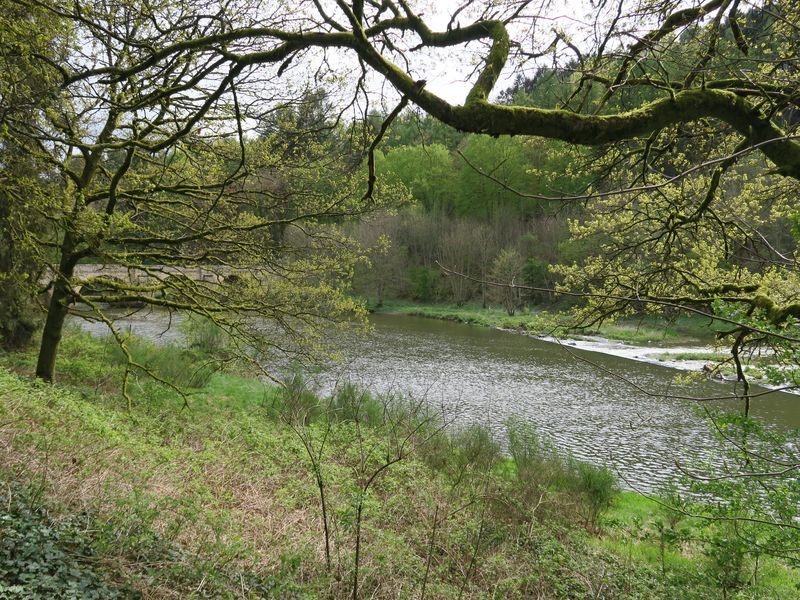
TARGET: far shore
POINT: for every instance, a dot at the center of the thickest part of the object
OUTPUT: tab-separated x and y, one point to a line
686	343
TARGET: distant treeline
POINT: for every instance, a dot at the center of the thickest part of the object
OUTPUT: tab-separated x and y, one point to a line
490	208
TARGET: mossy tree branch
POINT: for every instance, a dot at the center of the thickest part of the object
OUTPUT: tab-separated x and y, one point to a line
479	115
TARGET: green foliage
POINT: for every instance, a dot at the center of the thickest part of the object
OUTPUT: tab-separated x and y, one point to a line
241	230
542	470
536	459
301	128
506	159
467	211
415	128
598	486
422	282
206	337
536	273
505	169
271	207
298	402
182	367
726	553
26	194
180	497
474	447
669	525
351	403
426	171
19	316
752	503
507	271
43	560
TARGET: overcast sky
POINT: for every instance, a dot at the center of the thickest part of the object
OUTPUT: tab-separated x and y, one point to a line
446	71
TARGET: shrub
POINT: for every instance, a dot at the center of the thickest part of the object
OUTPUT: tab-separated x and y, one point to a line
507	270
181	367
726	553
541	468
300	404
436	451
536	273
598	487
205	337
536	460
667	522
421	283
475	447
349	403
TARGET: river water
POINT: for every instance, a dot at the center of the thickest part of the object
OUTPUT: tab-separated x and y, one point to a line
603	409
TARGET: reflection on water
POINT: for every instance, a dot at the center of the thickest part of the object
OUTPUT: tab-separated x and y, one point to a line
609	410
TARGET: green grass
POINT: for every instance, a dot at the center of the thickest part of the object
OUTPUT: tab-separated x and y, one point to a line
633	529
220	500
706	356
651	330
646	329
629	506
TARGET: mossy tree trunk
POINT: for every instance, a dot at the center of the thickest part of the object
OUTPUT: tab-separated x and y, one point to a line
57	311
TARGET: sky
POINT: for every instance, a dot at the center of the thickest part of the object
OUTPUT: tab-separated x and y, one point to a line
447	71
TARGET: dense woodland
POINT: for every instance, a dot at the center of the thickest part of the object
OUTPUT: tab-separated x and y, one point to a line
643	163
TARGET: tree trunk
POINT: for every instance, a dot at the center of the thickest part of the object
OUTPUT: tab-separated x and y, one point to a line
56	312
51	334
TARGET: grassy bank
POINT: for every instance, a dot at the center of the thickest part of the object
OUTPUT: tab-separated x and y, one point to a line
252	491
646	329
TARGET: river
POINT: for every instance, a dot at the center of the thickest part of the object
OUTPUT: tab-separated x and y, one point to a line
602	408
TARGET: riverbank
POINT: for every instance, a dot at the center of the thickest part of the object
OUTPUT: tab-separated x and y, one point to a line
687	343
487	376
643	330
220	497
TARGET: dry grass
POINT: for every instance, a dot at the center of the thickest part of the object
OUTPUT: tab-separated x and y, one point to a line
220	501
194	493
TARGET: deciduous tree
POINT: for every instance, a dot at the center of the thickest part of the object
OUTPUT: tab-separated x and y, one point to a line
707	83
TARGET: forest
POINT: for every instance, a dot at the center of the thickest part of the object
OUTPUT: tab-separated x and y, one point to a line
213	213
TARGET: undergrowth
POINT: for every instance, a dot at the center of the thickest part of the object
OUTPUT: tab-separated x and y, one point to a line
254	491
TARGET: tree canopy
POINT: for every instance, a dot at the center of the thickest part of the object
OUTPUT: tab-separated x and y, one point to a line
215	153
148	108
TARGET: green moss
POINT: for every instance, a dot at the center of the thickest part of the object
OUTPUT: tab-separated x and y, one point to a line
495	61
